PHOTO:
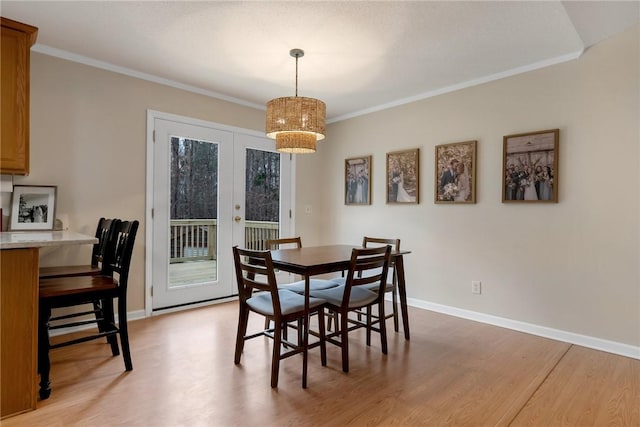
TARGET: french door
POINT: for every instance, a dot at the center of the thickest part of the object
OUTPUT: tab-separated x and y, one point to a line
212	187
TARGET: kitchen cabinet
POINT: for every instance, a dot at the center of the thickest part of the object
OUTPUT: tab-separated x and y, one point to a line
17	39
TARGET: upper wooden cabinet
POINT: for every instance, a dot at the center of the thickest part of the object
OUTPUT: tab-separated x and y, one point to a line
17	39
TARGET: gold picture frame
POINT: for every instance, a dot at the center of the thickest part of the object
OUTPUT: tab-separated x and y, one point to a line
455	173
357	181
403	177
530	167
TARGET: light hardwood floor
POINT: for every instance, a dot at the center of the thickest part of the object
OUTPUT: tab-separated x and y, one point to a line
452	372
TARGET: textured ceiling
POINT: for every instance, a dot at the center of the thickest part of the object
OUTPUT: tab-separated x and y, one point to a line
360	56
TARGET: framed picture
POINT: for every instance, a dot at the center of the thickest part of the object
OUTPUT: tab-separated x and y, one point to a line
357	181
455	180
32	207
403	173
530	167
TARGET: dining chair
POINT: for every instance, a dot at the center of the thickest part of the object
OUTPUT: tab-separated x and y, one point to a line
367	268
299	286
103	230
104	288
392	279
258	292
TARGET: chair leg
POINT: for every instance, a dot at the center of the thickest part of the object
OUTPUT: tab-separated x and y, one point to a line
97	308
275	357
382	326
369	320
394	299
124	331
322	332
44	364
243	320
344	341
109	324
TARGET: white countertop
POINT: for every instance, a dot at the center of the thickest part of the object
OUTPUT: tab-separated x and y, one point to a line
39	239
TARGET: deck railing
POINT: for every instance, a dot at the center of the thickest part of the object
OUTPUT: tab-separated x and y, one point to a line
196	239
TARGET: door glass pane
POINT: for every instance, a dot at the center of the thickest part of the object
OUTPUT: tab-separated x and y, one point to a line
194	212
262	198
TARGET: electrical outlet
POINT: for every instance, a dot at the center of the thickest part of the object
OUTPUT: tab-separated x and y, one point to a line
307	209
476	287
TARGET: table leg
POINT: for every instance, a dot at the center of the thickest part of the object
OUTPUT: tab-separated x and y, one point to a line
402	289
305	333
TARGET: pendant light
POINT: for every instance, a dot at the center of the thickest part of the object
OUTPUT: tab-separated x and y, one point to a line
296	122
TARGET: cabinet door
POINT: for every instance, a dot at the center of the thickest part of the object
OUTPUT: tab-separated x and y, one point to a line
14	91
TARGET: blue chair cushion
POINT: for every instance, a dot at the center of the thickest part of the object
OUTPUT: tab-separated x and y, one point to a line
340	281
359	296
290	302
314	285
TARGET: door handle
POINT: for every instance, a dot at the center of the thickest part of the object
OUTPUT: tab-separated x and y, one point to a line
237	219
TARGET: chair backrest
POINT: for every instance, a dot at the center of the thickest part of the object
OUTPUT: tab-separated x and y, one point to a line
367	266
117	257
255	272
103	232
274	244
366	242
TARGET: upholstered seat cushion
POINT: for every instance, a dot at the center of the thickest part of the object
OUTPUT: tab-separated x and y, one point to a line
359	296
290	302
340	281
314	285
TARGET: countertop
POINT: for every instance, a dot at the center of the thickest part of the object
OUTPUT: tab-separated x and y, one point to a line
39	239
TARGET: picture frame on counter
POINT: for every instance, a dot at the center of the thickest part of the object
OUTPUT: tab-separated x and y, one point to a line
33	207
357	181
530	167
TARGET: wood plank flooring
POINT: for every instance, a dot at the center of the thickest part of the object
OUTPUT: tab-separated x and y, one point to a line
452	372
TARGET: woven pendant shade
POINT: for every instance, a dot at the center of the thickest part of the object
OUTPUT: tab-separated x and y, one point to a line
296	142
296	122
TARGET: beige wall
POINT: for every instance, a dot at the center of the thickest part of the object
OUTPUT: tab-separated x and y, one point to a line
571	266
88	137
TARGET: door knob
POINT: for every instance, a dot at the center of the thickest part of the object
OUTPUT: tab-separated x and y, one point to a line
237	219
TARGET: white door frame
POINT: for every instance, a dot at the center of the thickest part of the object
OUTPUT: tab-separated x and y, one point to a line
152	115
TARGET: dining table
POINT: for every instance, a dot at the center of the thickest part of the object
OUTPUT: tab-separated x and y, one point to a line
315	260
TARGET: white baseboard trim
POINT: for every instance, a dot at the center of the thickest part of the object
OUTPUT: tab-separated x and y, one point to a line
530	328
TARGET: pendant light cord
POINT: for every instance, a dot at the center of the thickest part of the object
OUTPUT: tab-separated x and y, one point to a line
296	76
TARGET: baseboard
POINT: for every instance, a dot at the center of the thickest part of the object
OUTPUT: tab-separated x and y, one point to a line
530	328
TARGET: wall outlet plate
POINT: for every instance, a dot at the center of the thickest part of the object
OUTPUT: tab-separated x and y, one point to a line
476	287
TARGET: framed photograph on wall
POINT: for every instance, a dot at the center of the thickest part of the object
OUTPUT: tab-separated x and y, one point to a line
403	176
455	170
32	207
357	181
530	167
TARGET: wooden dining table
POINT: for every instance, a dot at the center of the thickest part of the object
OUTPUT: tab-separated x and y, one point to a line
314	260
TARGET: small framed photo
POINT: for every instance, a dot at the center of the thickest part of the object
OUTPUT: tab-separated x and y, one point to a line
357	181
403	176
455	180
32	207
530	167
